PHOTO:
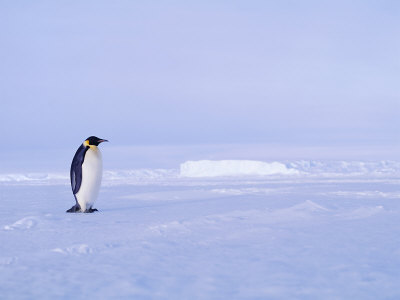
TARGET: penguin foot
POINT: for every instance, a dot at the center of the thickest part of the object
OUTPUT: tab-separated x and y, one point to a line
74	209
91	210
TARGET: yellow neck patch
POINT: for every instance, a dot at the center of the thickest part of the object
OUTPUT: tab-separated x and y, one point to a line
86	144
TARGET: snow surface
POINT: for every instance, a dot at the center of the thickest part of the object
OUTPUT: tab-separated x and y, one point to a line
309	230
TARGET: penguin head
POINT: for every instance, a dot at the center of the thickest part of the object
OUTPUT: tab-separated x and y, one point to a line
94	141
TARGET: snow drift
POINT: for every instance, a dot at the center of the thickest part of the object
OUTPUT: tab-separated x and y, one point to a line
209	168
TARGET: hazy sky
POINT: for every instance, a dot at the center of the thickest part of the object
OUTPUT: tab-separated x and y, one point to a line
171	72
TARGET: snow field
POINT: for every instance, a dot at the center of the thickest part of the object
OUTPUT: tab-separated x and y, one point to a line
286	236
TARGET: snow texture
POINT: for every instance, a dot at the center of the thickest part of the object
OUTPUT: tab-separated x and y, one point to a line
308	230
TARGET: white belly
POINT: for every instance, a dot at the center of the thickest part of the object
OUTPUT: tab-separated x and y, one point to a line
92	171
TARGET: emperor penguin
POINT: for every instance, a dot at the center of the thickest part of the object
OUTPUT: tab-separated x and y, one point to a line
86	172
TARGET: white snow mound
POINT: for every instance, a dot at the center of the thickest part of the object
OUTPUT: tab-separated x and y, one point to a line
214	168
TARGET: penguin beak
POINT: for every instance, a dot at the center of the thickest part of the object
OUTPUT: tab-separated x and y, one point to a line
100	141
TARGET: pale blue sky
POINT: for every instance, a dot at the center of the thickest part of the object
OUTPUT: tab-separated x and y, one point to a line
174	72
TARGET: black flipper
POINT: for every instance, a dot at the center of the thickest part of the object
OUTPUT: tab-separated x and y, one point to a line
76	175
76	168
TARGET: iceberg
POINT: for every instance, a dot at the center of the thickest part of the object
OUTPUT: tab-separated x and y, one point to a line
215	168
